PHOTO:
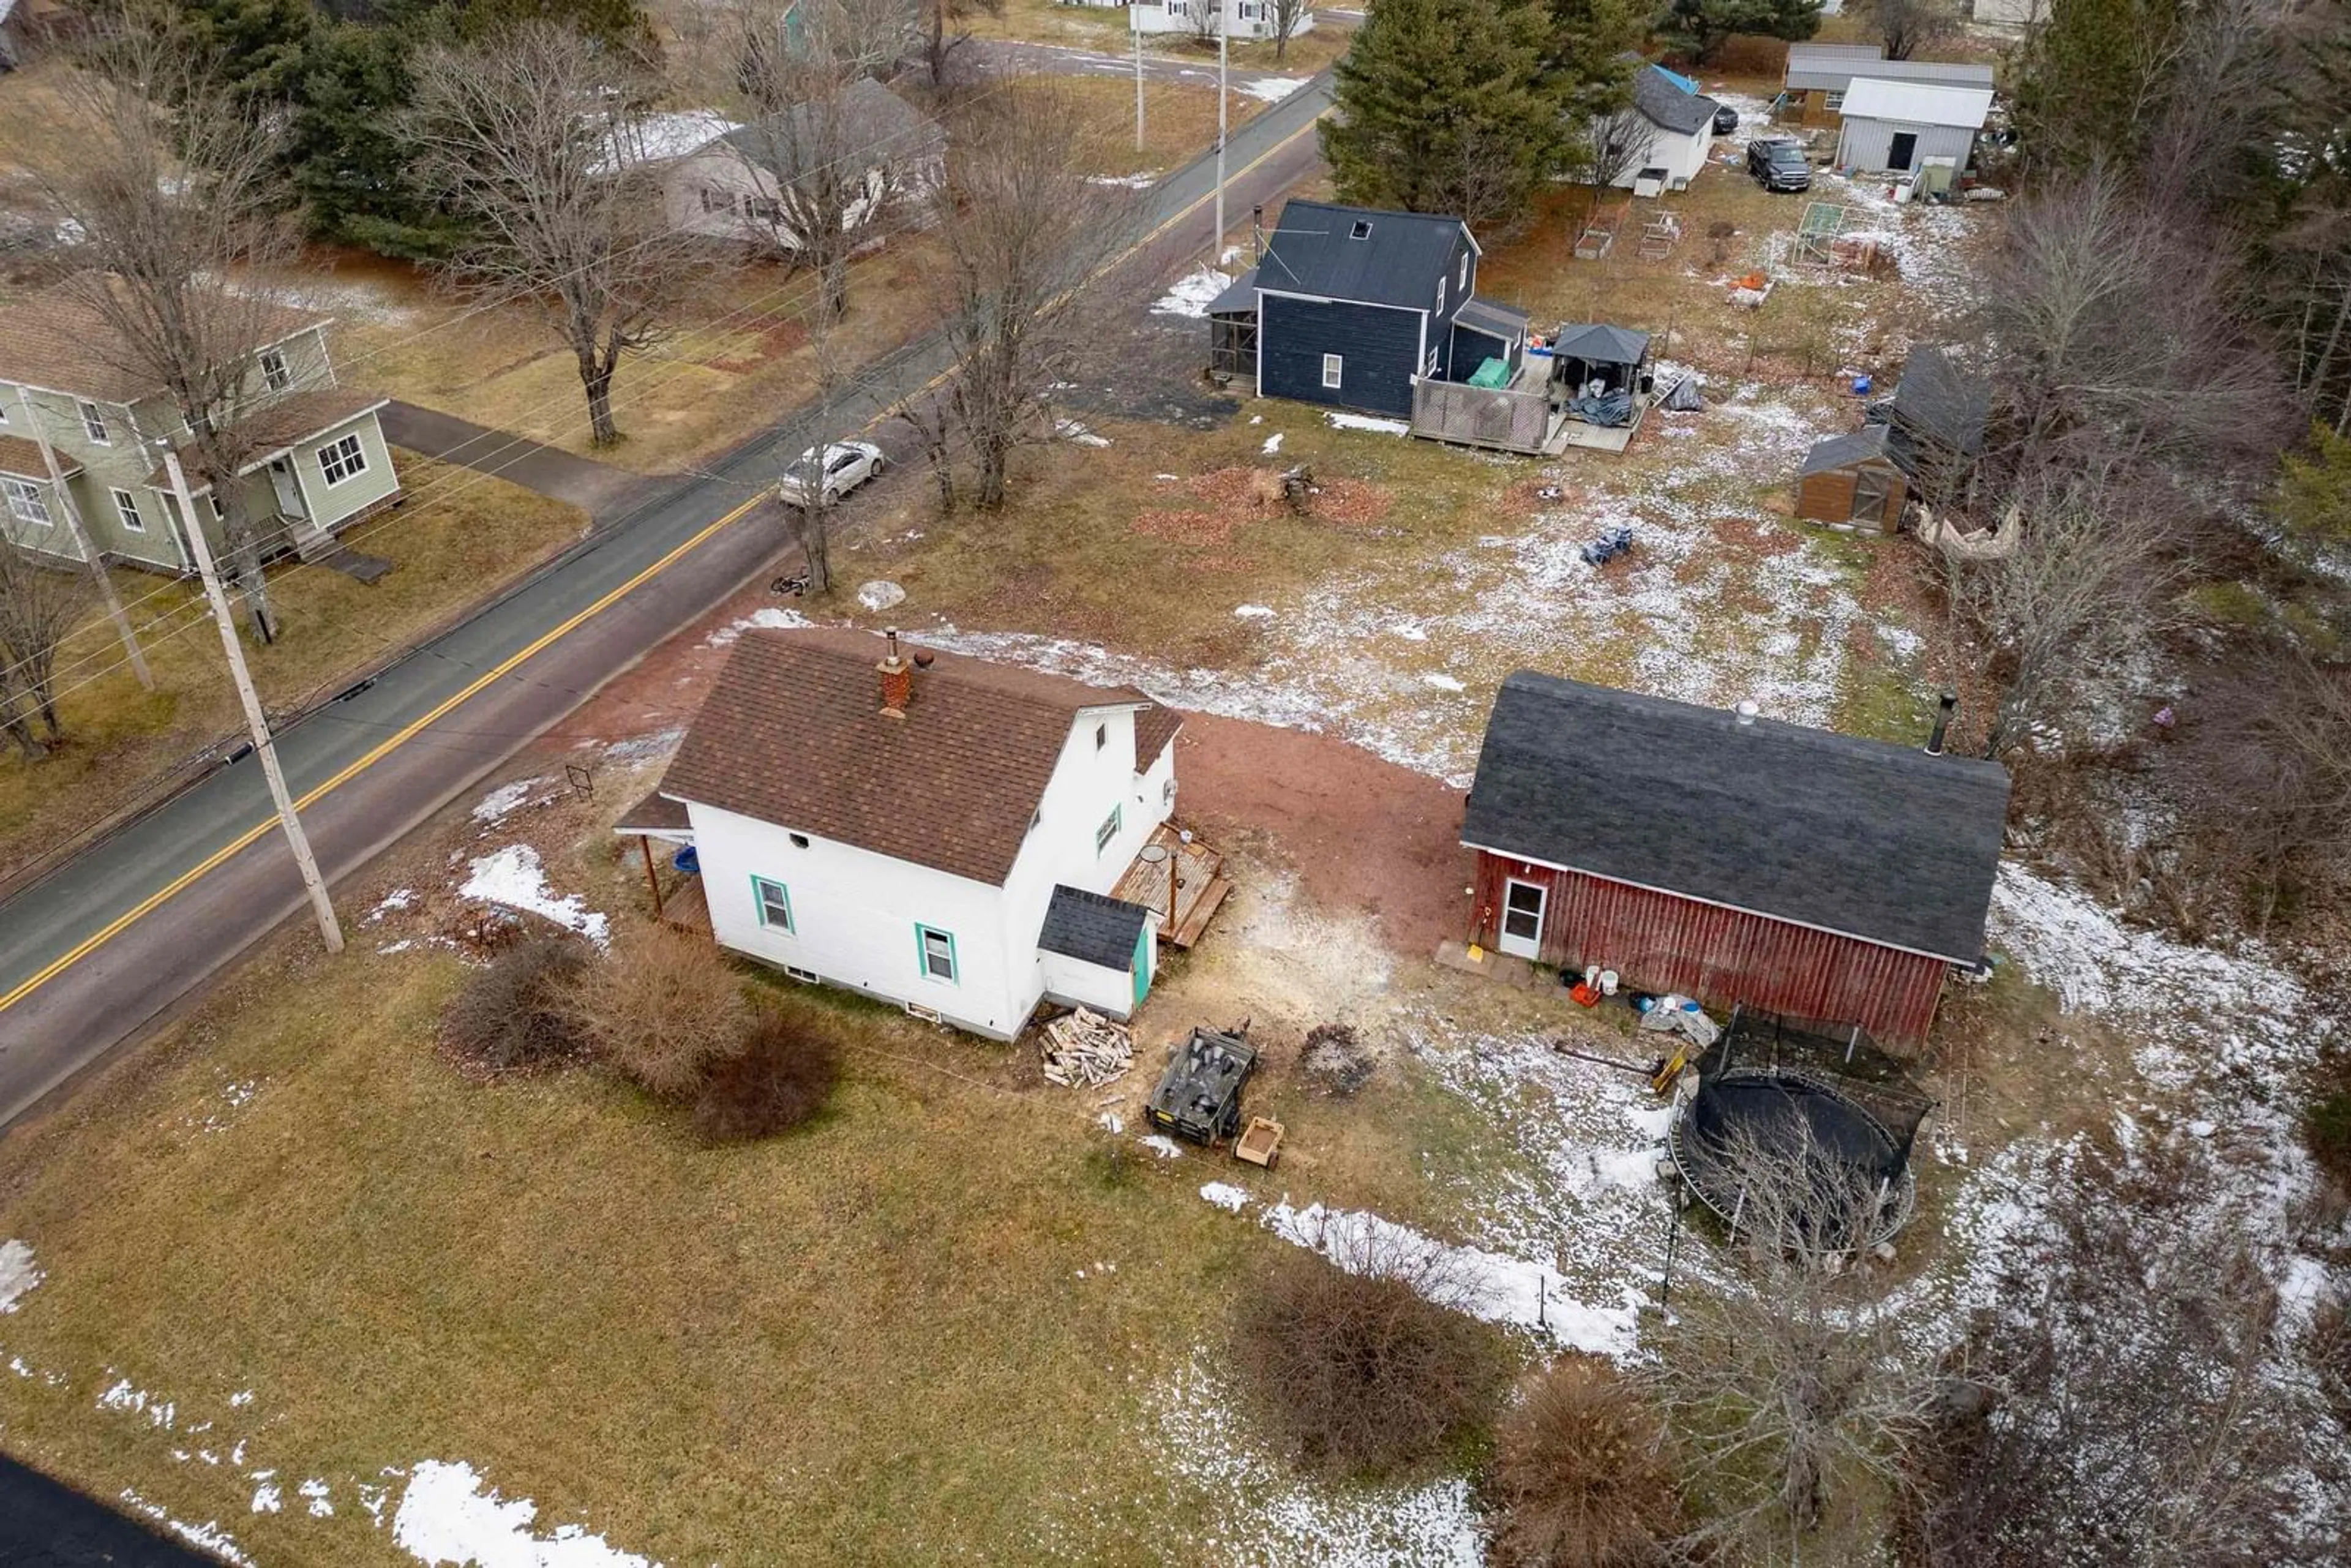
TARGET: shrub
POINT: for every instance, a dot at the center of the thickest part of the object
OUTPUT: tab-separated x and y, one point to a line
1359	1365
2326	1117
782	1076
660	1009
509	1017
1581	1478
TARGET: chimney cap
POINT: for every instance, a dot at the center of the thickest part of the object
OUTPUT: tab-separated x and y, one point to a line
1747	709
923	658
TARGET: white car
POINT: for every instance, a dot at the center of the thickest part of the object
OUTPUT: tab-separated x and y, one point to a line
846	466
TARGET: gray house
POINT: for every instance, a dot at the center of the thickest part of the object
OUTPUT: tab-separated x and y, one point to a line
1820	75
1354	303
1896	126
82	437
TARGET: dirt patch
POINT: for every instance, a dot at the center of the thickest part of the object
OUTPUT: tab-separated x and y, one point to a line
1185	528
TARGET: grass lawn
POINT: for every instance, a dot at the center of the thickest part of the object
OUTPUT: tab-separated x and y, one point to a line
739	355
1179	121
888	1338
458	535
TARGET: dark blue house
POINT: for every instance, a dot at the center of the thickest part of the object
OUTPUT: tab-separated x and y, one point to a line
1353	303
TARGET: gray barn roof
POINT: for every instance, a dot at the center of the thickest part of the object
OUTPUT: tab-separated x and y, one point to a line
1239	298
1598	343
1938	399
1093	928
1663	105
1857	837
871	116
1841	451
1397	262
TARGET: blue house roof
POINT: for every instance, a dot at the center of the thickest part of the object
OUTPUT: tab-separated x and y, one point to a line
1359	253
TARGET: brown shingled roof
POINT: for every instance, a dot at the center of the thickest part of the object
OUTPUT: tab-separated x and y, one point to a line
21	459
1154	728
58	340
271	429
793	734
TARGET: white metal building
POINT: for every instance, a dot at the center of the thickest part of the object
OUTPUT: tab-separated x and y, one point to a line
1894	126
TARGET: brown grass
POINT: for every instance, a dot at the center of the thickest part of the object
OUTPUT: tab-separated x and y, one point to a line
459	535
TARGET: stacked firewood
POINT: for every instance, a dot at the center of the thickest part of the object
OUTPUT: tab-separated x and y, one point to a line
1084	1049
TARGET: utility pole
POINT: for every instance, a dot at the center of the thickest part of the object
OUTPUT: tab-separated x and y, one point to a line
82	550
1224	35
1138	89
201	550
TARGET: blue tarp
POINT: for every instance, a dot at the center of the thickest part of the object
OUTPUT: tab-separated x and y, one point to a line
1679	80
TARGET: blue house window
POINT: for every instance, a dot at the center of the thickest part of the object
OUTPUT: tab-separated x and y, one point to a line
937	950
775	901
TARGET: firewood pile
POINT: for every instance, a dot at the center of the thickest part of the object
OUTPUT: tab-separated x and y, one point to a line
1084	1049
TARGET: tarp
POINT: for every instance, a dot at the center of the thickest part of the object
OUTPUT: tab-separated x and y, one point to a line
1493	373
1685	396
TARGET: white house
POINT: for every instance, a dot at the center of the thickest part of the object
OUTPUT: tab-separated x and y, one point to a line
1663	137
938	832
1897	126
732	182
1250	18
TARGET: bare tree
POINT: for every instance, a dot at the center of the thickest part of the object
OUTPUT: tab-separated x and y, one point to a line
1286	17
1614	142
173	188
1906	26
1790	1386
2083	587
1205	19
2145	1411
2268	776
830	154
41	603
529	135
943	34
1022	230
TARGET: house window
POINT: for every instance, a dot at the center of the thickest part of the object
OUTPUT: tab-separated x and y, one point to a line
340	459
1330	365
937	952
799	840
125	506
1109	830
764	209
1832	102
25	501
1167	793
1440	296
775	901
1464	278
1101	736
93	424
715	200
274	373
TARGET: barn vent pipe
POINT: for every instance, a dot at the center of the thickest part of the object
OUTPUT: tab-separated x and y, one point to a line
1949	706
1746	710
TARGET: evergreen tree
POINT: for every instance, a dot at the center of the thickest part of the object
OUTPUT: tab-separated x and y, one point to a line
1697	27
261	44
350	165
1446	106
2088	77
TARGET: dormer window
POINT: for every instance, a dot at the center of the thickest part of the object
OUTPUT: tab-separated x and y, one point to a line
1101	736
1440	296
1362	229
1464	278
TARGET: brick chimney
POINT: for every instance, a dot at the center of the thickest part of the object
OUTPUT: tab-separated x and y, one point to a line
897	681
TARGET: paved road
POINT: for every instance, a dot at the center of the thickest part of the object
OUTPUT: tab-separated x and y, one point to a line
100	947
44	1525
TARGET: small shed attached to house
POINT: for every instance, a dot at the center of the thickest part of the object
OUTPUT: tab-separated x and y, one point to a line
1899	126
1232	329
1851	482
1730	858
1485	330
1934	421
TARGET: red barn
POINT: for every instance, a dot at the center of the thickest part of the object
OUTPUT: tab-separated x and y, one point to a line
1730	858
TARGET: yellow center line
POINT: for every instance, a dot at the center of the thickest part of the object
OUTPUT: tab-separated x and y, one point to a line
507	665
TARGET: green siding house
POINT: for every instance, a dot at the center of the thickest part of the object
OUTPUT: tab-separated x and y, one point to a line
82	440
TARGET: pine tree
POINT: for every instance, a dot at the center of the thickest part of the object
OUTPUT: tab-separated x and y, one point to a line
1445	106
2089	74
1697	27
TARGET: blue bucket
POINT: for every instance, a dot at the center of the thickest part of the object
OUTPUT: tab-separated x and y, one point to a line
686	860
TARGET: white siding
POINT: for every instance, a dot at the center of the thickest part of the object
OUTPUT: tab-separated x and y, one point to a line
855	911
1864	143
1110	991
1680	153
1250	19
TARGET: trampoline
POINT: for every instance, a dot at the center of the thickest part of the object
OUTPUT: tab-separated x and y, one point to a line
1813	1106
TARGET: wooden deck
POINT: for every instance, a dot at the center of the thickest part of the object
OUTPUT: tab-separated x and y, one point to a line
1200	885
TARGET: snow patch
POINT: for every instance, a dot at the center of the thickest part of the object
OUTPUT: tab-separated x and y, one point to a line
1192	293
1225	1196
1272	444
17	1274
314	1493
1272	89
1367	422
773	619
499	803
1253	612
513	877
448	1515
1162	1145
208	1536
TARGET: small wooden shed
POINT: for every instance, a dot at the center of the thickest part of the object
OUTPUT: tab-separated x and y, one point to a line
1852	482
